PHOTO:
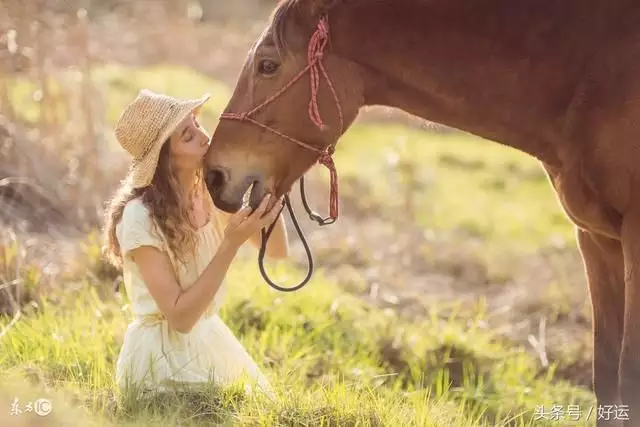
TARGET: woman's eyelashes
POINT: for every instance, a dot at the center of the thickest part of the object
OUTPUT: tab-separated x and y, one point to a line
191	131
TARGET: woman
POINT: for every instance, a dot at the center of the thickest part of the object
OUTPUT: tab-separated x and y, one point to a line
175	248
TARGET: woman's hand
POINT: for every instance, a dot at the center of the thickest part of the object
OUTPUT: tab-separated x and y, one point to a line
244	224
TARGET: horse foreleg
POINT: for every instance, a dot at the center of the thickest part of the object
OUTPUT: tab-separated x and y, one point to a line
604	265
630	356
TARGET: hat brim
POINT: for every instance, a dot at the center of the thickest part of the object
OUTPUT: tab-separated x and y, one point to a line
142	170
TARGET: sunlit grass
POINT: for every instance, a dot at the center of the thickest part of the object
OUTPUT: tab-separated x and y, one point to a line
462	182
333	360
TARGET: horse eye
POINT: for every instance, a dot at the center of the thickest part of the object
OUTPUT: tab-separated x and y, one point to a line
267	67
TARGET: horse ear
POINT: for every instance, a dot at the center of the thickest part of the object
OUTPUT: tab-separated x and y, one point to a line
319	7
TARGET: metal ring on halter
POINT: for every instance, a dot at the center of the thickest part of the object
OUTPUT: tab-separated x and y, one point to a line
313	215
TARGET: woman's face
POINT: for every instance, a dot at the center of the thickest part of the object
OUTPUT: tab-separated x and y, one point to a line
189	143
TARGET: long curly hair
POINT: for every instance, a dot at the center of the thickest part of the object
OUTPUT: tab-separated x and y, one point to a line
166	203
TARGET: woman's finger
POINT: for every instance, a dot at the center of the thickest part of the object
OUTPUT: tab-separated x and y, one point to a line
240	216
261	209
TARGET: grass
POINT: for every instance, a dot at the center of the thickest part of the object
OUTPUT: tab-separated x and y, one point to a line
334	358
462	183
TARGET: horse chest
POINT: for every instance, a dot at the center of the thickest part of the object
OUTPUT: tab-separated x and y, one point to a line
584	207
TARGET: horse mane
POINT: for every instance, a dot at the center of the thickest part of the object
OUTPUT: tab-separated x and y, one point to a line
285	9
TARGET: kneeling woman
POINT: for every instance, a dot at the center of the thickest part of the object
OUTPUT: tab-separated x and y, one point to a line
175	248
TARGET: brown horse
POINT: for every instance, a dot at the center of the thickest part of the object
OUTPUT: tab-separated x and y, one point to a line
555	79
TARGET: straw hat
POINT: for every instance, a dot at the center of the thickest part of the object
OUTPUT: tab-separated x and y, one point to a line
144	126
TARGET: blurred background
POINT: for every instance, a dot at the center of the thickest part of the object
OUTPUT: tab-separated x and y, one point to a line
436	225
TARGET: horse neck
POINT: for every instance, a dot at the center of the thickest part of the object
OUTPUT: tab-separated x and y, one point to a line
507	71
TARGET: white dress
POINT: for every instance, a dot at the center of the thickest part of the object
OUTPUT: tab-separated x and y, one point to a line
153	356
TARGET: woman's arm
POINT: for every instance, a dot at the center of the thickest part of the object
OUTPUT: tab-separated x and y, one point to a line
182	308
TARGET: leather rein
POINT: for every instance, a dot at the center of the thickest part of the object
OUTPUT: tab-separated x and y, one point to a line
316	69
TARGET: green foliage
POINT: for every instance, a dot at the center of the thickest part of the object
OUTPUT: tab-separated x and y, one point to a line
333	359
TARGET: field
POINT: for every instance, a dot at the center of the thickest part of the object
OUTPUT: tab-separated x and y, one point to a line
449	293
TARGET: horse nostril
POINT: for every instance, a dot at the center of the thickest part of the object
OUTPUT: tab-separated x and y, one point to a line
216	178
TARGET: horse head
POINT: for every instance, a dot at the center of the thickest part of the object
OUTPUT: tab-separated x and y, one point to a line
293	99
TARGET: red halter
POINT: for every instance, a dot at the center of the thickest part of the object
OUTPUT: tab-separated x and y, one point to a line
315	54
